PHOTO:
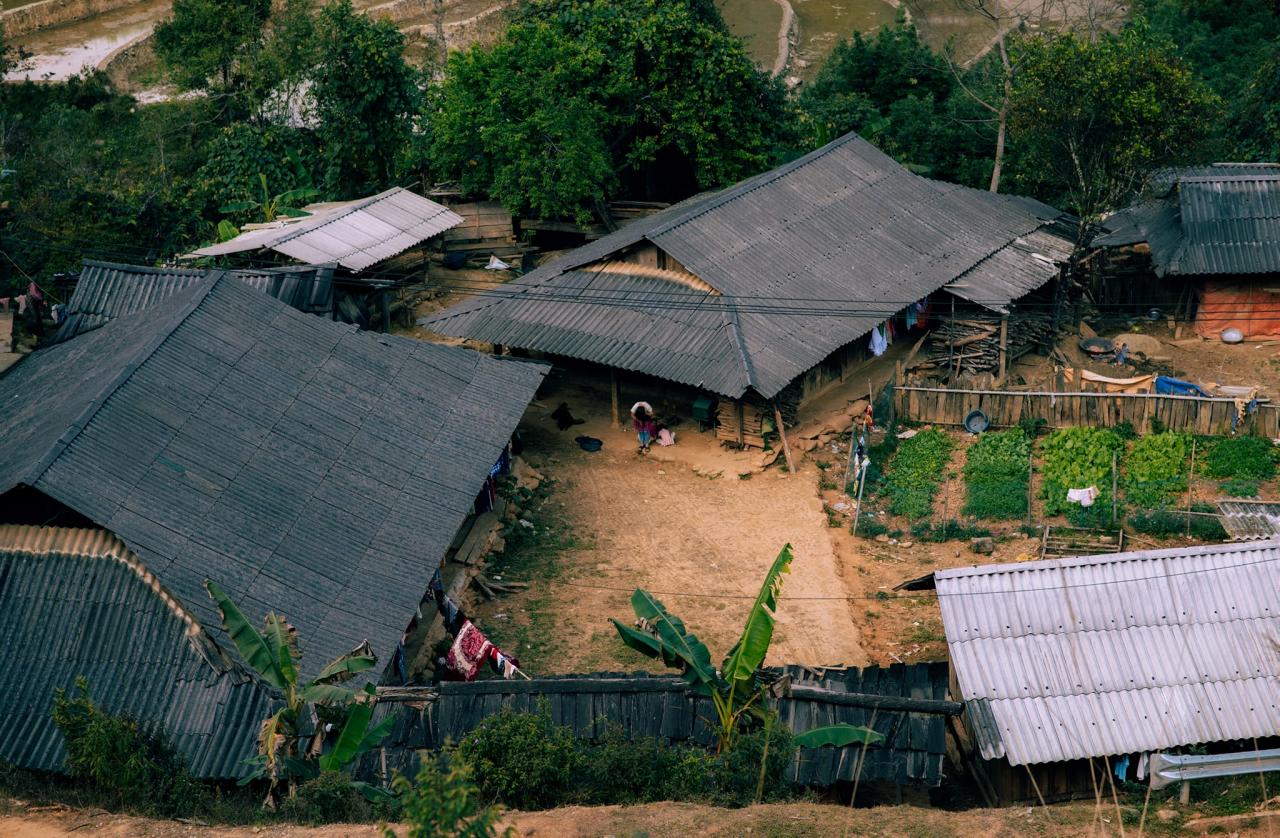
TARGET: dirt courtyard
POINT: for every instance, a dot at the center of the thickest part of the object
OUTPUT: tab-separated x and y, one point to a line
701	541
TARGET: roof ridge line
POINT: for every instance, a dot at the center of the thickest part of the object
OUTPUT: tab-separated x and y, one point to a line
140	356
729	313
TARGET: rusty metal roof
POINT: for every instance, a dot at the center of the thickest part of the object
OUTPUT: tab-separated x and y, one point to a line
1116	654
801	260
77	602
1250	520
354	234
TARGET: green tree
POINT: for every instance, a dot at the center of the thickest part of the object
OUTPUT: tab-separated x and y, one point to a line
444	802
365	95
206	44
1094	119
1254	127
582	100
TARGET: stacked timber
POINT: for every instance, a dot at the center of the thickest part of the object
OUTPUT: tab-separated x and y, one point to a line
972	345
740	422
486	230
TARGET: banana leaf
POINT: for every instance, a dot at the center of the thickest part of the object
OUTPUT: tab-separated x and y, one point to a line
283	640
347	666
676	638
326	693
347	747
238	206
291	212
747	655
838	736
253	647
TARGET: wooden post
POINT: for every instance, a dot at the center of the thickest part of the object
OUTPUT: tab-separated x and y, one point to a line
613	392
951	341
1184	793
1030	473
782	435
1191	476
898	374
1004	346
857	510
1113	488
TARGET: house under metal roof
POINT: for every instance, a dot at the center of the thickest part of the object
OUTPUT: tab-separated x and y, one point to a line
106	290
77	602
1207	220
355	234
1117	654
749	287
307	467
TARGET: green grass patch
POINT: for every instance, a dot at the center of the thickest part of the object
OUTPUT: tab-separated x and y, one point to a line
1155	469
1248	457
915	472
1163	523
1238	488
995	475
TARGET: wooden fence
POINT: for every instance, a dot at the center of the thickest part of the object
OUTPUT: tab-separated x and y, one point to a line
1005	408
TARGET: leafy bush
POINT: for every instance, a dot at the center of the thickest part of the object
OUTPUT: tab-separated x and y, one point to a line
443	802
736	771
524	760
916	470
879	453
328	798
1155	469
1237	488
995	475
1031	427
621	771
1249	457
869	527
950	530
1076	458
1164	523
1125	430
133	766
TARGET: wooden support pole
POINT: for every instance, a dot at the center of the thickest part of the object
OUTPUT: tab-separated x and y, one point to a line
782	435
1113	488
613	391
1191	476
1030	473
1004	346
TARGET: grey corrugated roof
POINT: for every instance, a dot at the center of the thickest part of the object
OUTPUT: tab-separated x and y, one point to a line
106	290
1117	654
1249	520
1220	219
307	467
662	707
355	234
785	253
78	603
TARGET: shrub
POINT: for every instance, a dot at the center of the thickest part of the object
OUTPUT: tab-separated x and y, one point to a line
1164	523
524	760
1155	469
950	530
1237	488
443	802
916	470
328	798
1125	430
1248	457
621	771
870	527
879	454
1031	427
132	765
736	771
1076	458
995	475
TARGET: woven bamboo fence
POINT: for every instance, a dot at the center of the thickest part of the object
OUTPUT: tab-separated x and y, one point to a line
1005	408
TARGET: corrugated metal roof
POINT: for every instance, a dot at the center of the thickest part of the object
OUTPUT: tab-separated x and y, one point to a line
642	705
806	258
1117	654
355	234
307	467
1249	520
1220	219
77	603
106	290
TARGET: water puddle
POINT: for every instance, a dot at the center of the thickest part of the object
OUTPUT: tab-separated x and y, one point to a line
63	51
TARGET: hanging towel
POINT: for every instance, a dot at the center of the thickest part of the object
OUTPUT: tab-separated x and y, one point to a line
470	648
1122	767
1084	497
910	316
878	342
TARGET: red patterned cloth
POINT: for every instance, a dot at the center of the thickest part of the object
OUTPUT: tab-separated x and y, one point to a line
470	649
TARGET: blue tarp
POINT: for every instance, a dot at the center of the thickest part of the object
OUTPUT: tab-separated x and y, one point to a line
1168	386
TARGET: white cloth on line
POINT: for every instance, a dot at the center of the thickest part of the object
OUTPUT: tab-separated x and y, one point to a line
1084	497
878	342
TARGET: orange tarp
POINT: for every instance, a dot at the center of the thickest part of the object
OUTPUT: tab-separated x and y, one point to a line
1251	307
1137	384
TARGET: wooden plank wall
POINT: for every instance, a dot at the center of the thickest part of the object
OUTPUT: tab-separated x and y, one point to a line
941	406
484	221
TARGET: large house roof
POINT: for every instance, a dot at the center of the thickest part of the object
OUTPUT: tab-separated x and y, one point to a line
307	467
775	273
1117	654
1207	220
107	290
75	603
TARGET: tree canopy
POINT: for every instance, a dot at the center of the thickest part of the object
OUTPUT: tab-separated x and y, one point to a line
583	98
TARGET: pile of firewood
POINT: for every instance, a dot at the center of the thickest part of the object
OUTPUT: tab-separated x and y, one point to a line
972	345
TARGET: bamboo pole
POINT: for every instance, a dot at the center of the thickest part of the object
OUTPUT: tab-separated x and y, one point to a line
782	435
613	392
1031	471
857	512
1113	488
1191	476
1004	345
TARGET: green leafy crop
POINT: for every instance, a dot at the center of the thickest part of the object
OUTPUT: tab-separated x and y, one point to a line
1076	458
915	472
1249	457
995	475
1155	469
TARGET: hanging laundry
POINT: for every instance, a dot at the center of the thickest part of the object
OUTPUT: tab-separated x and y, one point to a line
909	316
1122	767
503	664
470	649
1084	497
878	342
33	291
22	304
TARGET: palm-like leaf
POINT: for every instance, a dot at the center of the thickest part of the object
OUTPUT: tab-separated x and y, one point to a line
283	640
747	655
271	737
676	638
838	736
239	206
297	195
253	647
291	212
326	693
346	667
346	748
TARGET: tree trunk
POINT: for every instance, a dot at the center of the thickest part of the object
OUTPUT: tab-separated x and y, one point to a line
1003	116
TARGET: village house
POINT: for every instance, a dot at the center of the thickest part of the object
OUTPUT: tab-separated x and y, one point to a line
306	467
1076	670
1203	248
767	293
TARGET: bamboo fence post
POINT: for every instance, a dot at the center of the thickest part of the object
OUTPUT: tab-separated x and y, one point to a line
782	435
1191	476
857	511
1004	345
1113	488
1031	470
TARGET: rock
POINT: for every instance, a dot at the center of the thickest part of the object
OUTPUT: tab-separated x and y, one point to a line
806	444
882	538
906	543
1166	815
857	408
985	545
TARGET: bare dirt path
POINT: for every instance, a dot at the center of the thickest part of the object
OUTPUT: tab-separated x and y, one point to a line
701	544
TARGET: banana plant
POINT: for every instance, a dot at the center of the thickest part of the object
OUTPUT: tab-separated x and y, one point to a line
734	689
273	653
272	207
